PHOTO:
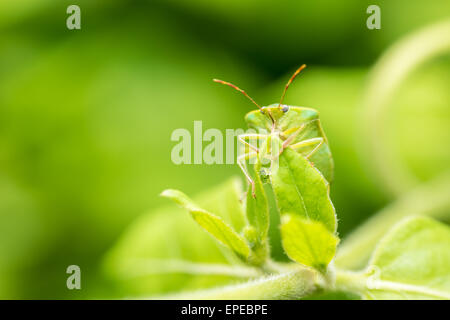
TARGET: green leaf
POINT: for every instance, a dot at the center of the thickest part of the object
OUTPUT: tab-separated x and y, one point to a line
227	203
211	223
430	199
308	242
257	207
164	250
412	262
302	190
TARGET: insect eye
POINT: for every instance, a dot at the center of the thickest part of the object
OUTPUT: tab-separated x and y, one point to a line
285	109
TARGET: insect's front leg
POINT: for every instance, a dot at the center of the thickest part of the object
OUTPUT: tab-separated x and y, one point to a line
275	149
242	164
244	138
307	143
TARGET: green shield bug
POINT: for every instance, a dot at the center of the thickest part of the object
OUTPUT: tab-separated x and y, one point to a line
293	127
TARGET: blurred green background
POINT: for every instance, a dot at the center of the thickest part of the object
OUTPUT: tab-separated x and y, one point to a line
86	115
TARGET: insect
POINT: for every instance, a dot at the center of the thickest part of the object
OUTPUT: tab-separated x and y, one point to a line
298	128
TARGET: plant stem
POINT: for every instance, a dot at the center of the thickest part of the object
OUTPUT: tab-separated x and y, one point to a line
351	281
290	285
401	287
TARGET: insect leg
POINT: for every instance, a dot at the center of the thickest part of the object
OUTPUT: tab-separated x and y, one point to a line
293	133
292	130
251	136
241	163
292	136
309	142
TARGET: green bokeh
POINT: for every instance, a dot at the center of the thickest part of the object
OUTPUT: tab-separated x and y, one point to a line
86	116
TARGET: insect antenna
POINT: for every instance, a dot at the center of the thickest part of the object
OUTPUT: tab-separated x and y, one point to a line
245	94
303	66
238	89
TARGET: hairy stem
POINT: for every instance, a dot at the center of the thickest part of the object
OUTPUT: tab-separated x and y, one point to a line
351	281
287	286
